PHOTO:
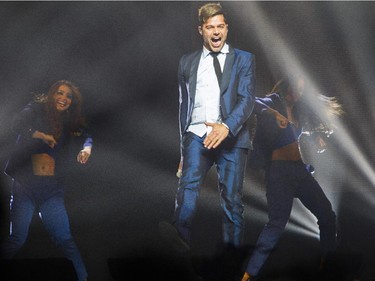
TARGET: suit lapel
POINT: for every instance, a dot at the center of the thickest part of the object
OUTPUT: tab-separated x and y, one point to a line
193	74
229	61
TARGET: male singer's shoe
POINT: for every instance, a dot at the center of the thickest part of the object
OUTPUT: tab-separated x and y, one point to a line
247	277
170	233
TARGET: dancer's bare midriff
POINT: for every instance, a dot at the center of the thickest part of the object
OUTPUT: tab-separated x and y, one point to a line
43	164
289	152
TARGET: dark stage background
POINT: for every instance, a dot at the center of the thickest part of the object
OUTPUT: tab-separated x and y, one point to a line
124	58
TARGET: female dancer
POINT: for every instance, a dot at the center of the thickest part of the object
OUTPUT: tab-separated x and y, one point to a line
281	117
45	127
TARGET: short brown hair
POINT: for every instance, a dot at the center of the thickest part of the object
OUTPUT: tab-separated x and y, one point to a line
210	10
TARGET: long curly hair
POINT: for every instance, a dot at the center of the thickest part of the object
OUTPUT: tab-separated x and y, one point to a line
72	117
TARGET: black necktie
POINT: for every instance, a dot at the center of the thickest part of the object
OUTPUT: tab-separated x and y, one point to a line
217	66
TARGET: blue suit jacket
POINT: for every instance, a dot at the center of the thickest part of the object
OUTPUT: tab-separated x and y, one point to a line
237	92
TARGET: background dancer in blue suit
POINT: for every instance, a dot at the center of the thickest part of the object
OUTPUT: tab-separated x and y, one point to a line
215	104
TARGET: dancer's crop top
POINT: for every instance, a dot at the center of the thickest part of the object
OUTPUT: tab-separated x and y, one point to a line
30	119
287	136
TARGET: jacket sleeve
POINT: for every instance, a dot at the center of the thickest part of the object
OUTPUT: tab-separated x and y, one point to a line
262	105
183	96
245	98
88	142
183	99
24	122
85	136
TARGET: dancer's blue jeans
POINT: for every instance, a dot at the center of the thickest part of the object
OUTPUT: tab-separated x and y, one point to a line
286	180
53	215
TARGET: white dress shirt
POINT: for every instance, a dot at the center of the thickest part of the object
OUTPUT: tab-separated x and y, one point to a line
207	96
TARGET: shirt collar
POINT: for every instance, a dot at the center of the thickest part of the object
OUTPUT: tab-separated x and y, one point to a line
224	50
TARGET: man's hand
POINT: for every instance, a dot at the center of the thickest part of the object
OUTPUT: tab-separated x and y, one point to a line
216	136
179	169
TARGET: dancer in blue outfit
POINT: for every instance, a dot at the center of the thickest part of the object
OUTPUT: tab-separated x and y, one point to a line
281	117
45	128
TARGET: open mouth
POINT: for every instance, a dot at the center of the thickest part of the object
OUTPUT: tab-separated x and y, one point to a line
216	42
61	104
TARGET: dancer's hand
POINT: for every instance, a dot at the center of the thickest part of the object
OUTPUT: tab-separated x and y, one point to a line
281	120
48	139
84	155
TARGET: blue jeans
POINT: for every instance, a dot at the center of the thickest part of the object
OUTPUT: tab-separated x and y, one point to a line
230	165
286	180
54	217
